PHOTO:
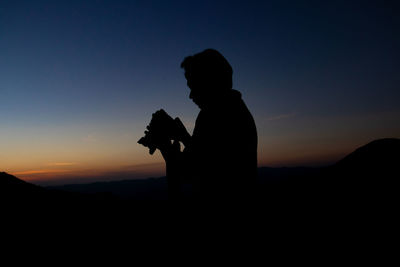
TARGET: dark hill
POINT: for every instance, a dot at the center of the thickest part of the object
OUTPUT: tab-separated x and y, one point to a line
380	155
20	194
368	176
373	165
12	187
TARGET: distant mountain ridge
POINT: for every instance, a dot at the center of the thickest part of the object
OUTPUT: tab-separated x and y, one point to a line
374	164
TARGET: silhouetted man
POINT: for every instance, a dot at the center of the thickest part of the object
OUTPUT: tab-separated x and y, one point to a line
220	158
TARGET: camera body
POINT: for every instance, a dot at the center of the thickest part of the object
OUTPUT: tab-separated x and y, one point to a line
159	131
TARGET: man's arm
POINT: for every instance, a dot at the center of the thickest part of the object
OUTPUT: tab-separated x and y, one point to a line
174	168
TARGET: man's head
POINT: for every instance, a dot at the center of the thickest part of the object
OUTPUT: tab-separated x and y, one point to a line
208	76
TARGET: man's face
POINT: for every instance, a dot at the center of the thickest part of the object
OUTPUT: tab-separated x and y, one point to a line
197	92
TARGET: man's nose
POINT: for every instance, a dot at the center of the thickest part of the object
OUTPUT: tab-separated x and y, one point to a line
191	95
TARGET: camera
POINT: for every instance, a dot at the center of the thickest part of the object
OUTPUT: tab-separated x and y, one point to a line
159	131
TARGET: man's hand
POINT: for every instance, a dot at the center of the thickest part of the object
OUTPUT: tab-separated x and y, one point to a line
162	130
180	133
170	151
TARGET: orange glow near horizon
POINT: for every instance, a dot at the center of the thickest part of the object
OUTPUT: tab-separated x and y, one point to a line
55	155
82	175
73	172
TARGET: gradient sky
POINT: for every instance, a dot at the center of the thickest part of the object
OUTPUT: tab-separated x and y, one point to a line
79	80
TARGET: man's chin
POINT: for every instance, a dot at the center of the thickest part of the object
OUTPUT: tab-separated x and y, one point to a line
197	104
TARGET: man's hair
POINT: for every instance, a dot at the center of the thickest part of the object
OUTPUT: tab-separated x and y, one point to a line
210	65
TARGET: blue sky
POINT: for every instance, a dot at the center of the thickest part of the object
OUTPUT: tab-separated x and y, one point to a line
320	77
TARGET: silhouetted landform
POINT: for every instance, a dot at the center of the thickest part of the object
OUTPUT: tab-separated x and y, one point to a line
368	174
18	193
12	186
376	161
143	189
156	188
